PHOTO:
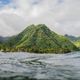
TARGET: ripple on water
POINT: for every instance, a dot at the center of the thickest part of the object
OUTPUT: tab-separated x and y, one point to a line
25	66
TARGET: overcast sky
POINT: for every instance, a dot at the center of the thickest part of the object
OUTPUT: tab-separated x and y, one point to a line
61	16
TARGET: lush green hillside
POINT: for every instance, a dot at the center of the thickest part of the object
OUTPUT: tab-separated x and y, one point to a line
39	39
75	40
77	43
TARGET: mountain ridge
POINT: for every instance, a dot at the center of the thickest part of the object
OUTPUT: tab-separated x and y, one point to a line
39	39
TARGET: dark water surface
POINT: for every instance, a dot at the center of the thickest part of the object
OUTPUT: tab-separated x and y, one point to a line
25	66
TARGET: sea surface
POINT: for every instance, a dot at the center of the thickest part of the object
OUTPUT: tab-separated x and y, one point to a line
30	66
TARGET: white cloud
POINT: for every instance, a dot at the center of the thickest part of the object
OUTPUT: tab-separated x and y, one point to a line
62	16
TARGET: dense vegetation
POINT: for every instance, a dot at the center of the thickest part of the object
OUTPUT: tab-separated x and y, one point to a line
75	40
38	39
77	43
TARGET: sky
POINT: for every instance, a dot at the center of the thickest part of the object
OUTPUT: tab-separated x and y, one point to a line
61	16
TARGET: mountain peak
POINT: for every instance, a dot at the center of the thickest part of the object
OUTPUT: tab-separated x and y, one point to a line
38	26
33	28
42	26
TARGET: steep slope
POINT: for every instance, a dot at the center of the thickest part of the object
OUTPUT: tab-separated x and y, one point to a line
40	39
75	40
77	43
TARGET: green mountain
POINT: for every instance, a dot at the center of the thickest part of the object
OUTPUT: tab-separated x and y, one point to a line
39	39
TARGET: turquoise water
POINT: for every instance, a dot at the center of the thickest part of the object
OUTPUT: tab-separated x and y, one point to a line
26	66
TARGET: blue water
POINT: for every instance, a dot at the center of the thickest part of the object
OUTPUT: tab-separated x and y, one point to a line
26	66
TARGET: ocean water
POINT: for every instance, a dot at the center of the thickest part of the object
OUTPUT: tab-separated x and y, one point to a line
28	66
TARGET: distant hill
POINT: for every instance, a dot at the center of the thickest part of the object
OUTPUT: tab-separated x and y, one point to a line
39	39
72	38
75	40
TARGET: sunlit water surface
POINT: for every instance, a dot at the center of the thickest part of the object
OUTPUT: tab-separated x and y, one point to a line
28	66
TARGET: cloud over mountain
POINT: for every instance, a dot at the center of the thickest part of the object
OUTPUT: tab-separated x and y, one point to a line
62	16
